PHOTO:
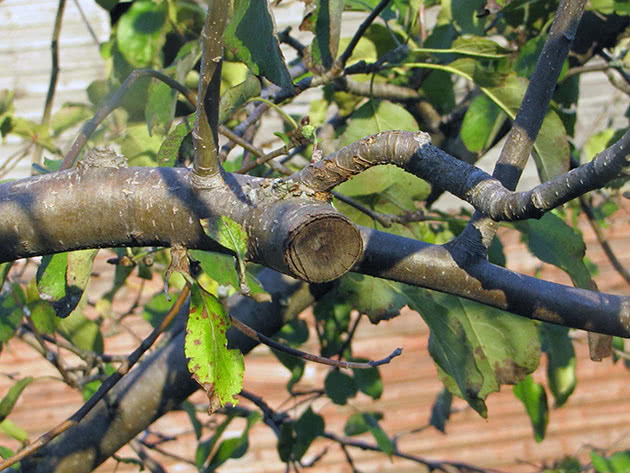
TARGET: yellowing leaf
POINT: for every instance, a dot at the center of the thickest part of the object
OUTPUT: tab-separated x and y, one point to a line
218	370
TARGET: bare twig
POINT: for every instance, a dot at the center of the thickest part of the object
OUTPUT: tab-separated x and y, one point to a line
104	388
432	465
259	337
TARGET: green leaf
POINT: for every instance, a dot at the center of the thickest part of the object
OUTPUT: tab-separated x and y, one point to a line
234	447
69	115
14	431
357	425
218	266
362	422
476	348
482	122
155	310
62	279
333	315
441	410
554	242
294	333
218	370
373	117
324	20
507	91
618	462
8	401
368	381
140	148
227	233
160	109
51	276
382	439
5	452
620	7
250	35
141	32
196	424
169	149
469	45
561	362
82	332
89	389
378	298
293	364
43	316
107	4
205	448
533	396
307	428
11	303
339	387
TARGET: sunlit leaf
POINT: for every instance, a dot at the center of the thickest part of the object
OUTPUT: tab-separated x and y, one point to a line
618	462
218	370
82	332
141	32
251	37
482	122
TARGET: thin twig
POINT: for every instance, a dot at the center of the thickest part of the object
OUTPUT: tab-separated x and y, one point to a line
87	23
114	102
432	465
54	73
343	59
103	389
259	337
151	464
262	159
601	238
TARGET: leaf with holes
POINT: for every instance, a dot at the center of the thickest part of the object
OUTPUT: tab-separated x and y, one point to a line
216	368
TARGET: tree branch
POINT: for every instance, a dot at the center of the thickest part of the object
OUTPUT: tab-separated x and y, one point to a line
414	153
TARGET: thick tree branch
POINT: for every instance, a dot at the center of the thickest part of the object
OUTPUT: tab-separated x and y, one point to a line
414	153
289	229
451	270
